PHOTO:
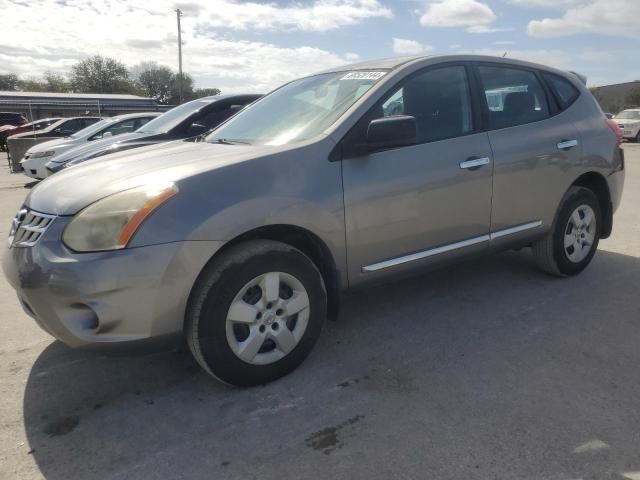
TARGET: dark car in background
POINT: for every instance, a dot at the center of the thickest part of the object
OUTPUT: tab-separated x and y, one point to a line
11	118
185	121
62	128
9	130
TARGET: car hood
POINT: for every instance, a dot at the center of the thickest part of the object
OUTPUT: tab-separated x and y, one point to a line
71	190
49	144
89	148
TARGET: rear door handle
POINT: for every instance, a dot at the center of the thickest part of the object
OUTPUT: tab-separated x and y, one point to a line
567	144
475	163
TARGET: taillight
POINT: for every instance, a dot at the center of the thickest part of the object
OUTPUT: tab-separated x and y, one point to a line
616	130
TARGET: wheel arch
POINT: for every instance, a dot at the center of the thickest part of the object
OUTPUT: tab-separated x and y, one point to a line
305	241
597	183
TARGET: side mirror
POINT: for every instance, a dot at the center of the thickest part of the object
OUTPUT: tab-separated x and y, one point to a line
394	131
107	135
196	129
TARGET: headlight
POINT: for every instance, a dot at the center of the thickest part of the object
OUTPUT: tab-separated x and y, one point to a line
48	153
109	224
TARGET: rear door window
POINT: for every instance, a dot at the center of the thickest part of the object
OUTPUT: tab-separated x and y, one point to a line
564	91
514	96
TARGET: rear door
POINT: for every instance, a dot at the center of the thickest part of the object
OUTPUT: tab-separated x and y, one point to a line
406	207
534	144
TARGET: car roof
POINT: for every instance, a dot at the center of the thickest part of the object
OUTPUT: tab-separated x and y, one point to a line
124	116
397	62
229	96
50	119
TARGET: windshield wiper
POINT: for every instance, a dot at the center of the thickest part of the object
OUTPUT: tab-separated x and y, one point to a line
226	141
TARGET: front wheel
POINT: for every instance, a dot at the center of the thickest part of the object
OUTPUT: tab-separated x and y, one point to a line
255	313
573	240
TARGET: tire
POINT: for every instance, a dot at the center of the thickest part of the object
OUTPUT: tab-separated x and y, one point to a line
550	253
224	334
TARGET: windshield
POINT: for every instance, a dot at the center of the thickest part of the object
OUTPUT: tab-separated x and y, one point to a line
173	117
629	115
91	129
297	111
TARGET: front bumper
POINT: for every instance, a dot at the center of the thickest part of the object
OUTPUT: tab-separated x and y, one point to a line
35	167
108	297
630	132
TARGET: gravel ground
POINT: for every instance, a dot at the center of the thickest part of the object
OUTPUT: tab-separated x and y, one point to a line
484	370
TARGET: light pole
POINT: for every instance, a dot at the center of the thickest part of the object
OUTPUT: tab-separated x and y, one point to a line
179	14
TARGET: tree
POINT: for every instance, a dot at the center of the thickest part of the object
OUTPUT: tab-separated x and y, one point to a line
100	74
31	84
9	82
206	92
187	89
153	80
633	98
55	83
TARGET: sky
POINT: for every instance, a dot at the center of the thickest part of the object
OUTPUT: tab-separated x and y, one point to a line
254	46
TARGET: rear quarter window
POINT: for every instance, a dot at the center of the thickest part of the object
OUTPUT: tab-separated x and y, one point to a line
564	91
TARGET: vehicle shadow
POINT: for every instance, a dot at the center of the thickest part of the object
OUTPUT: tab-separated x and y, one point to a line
483	370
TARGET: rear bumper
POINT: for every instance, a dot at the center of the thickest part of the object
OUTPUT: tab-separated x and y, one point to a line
104	298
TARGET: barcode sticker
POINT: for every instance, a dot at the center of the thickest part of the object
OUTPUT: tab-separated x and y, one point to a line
363	76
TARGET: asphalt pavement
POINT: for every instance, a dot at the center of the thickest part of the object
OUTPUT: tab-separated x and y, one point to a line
484	370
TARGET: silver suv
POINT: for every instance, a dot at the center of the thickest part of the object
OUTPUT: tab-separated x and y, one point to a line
244	242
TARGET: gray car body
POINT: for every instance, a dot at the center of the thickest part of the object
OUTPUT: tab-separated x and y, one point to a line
367	219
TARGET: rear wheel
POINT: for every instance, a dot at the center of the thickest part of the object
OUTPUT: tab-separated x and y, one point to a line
572	242
255	313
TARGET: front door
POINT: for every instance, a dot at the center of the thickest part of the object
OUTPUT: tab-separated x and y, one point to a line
409	206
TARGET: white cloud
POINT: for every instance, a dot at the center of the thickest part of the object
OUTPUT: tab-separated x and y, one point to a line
503	42
403	46
320	15
132	33
546	3
611	17
473	15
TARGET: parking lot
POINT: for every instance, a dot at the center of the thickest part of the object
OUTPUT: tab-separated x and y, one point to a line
483	370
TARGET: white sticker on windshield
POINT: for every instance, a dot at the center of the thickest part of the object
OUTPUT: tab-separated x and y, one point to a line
363	75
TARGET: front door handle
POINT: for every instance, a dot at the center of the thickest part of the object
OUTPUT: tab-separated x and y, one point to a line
475	163
567	144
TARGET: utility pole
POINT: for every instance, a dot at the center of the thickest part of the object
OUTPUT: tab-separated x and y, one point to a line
179	14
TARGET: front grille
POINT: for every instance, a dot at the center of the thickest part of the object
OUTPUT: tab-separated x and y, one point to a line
28	226
621	126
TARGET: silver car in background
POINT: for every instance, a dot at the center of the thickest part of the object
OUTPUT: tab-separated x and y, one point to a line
36	157
244	242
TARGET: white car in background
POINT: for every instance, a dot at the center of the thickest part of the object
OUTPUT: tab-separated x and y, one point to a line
629	122
36	157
